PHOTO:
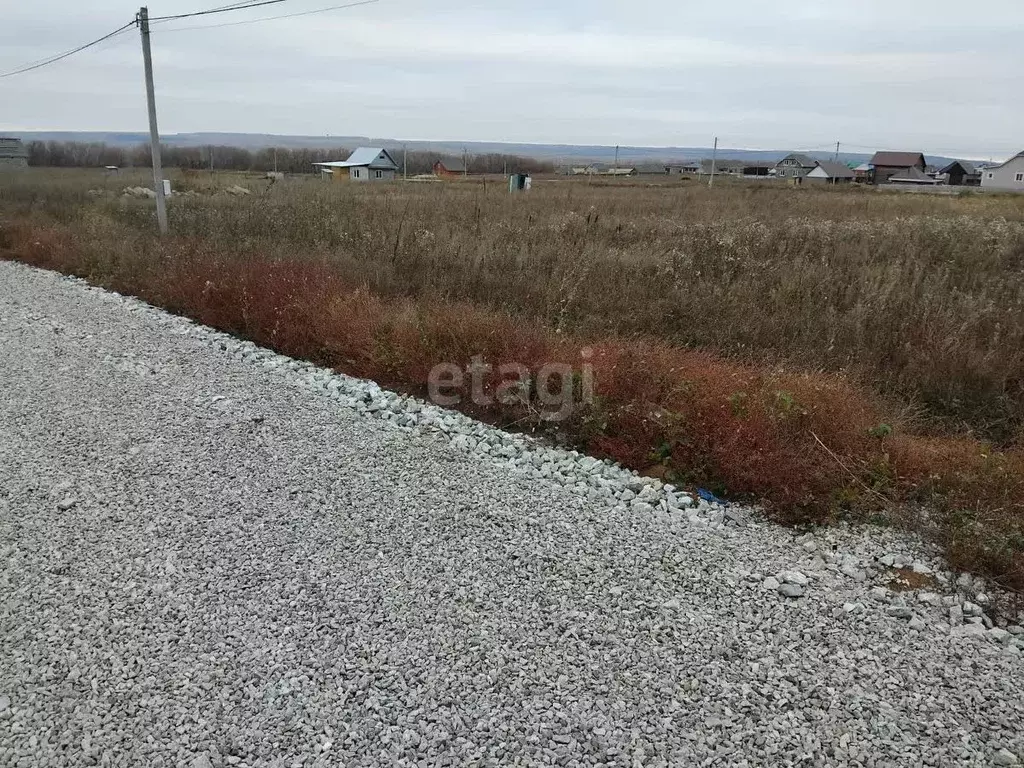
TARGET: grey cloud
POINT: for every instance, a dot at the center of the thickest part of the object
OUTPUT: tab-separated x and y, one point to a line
939	75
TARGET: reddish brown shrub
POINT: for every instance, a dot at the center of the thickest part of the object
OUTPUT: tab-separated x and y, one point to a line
809	445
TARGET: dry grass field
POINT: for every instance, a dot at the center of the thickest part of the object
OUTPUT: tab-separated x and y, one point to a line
834	352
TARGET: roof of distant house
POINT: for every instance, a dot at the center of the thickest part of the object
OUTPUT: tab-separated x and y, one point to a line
806	161
652	168
897	159
966	165
912	174
835	170
452	164
365	156
1006	162
722	163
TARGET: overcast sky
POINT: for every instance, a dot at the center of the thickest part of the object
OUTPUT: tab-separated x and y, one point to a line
943	76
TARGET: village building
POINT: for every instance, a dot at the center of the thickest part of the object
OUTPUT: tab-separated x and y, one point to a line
682	169
795	166
912	177
885	165
828	172
364	164
448	168
862	173
1008	176
961	173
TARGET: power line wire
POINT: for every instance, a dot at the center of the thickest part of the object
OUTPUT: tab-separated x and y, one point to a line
233	6
222	9
60	56
270	18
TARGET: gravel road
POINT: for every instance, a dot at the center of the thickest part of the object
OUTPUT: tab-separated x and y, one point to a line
208	559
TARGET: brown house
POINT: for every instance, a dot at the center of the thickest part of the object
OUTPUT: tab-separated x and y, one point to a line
888	164
449	168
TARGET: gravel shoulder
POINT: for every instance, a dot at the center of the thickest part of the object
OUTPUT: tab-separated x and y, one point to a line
213	556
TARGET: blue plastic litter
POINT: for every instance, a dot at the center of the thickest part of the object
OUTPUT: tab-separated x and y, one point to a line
709	497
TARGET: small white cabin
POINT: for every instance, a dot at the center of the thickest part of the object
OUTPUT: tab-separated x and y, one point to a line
365	164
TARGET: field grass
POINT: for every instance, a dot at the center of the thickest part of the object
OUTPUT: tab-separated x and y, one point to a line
833	352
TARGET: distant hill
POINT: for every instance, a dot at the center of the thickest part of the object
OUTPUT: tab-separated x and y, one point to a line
563	153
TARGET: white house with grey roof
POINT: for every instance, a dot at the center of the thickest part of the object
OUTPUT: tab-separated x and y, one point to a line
828	172
364	164
1007	177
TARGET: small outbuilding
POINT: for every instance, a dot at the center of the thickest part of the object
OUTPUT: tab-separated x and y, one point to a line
722	167
961	173
364	164
13	154
912	177
652	169
519	182
828	172
862	173
682	169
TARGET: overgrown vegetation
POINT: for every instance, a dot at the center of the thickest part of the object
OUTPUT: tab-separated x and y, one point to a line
834	353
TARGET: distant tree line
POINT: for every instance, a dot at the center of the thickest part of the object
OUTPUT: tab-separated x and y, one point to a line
77	154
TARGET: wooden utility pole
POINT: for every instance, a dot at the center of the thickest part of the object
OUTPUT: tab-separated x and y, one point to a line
714	159
154	133
405	162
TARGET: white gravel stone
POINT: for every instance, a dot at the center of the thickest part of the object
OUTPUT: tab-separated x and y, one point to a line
879	593
1005	757
968	630
899	612
260	572
857	574
790	589
972	609
999	635
793	577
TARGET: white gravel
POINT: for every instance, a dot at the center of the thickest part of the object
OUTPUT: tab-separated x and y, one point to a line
211	555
